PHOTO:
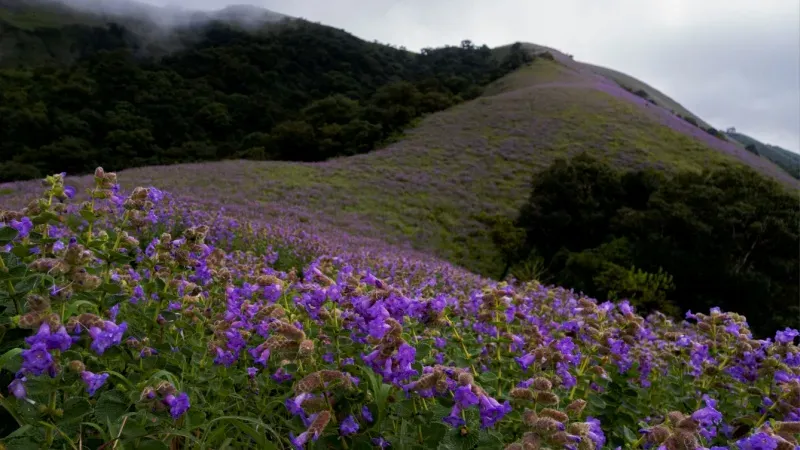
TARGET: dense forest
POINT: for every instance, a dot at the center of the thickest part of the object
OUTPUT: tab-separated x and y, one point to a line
670	242
291	91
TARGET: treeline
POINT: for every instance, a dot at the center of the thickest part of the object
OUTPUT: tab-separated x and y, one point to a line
296	91
668	242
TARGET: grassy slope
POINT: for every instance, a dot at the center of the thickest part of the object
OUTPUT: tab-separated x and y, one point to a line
427	188
786	159
655	94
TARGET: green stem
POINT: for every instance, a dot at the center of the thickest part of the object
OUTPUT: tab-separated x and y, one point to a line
48	433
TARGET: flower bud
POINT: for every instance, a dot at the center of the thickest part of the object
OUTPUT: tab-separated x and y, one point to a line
547	425
522	394
542	384
76	366
555	414
790	427
529	417
547	398
38	303
575	408
657	434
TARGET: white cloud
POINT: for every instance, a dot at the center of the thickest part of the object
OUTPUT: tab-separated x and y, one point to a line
732	62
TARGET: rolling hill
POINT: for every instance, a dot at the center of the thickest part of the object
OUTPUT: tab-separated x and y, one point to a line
430	188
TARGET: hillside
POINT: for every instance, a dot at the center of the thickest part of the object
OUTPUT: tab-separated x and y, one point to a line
430	187
787	160
293	90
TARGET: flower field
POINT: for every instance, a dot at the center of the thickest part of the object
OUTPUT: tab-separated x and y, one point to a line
131	320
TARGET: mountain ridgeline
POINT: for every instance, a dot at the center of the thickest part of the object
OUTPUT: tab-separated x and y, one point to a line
290	90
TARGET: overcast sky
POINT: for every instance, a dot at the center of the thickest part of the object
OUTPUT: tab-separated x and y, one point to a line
731	62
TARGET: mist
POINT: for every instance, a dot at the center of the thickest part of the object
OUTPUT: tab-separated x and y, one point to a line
168	17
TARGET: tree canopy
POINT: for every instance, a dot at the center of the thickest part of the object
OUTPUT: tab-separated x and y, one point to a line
726	237
293	91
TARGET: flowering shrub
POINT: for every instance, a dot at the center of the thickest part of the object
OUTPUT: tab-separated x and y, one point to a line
129	323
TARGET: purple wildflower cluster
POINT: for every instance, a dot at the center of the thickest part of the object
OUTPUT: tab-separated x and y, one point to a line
146	294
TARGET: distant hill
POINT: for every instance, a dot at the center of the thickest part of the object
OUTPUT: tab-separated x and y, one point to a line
786	159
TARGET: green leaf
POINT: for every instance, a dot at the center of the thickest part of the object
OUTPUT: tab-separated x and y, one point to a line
8	357
259	438
27	284
88	215
151	444
380	392
133	430
489	441
629	435
74	409
7	234
21	250
24	438
433	434
45	217
110	406
74	307
111	288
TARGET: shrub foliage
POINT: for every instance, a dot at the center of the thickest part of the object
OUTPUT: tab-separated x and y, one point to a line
673	242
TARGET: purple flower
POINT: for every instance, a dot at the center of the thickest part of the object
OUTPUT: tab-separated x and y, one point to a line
59	340
366	414
37	359
525	361
23	226
758	441
69	191
177	405
295	405
349	426
112	313
138	295
224	357
299	442
596	433
465	397
454	419
93	381
328	357
786	336
109	335
381	442
252	371
281	375
708	416
492	411
17	387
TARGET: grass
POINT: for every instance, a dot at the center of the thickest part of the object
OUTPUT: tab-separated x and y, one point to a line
661	98
427	189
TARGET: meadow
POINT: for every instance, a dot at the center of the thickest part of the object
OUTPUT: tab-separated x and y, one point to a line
429	189
132	320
